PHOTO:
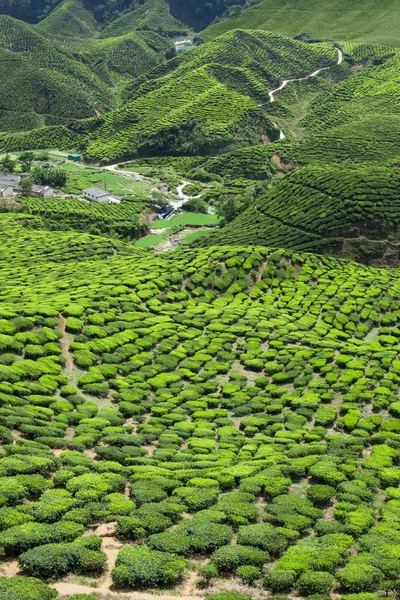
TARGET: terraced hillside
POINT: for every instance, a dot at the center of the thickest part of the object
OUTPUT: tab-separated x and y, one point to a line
59	71
226	414
202	102
350	212
118	220
371	21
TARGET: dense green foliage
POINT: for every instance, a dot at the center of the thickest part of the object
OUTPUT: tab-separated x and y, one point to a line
354	212
239	404
227	413
350	20
201	102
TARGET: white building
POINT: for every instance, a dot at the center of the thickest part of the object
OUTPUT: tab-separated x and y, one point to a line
6	191
97	195
41	191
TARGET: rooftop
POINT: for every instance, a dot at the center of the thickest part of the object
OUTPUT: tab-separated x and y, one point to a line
96	192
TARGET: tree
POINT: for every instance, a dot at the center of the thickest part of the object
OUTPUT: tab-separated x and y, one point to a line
196	205
8	164
26	159
230	208
26	185
46	175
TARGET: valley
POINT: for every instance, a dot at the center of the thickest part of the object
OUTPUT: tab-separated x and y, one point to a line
199	300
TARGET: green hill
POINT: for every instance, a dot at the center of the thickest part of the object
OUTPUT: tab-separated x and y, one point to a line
70	18
205	101
153	15
53	73
352	213
371	21
237	404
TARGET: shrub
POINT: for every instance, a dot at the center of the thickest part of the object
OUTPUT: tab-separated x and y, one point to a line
57	560
264	536
25	588
141	567
228	558
175	543
248	574
359	577
208	572
197	498
22	537
320	494
279	580
208	536
316	582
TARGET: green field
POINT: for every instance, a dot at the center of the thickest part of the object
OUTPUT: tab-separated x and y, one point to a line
81	177
371	21
187	218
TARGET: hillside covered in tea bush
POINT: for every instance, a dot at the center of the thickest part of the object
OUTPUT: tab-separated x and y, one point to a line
225	412
352	212
347	20
203	102
65	68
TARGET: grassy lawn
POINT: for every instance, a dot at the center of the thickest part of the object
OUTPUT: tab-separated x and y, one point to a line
187	218
53	154
81	177
151	240
194	235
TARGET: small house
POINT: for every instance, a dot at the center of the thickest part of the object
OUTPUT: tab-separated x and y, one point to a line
97	195
10	180
74	157
6	191
41	191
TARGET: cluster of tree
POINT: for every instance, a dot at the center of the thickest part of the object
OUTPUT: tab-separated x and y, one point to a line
196	205
195	13
24	161
27	10
46	175
232	206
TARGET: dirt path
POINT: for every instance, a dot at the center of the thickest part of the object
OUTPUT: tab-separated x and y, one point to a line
127	174
183	198
73	588
284	83
65	344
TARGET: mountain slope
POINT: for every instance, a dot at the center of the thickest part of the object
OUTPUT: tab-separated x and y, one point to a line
205	101
349	212
70	18
373	21
77	76
153	15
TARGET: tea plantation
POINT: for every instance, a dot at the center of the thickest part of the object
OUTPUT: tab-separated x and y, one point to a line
353	212
60	71
225	416
220	421
349	20
203	102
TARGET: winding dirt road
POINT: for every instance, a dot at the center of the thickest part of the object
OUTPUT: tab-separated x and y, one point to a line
284	83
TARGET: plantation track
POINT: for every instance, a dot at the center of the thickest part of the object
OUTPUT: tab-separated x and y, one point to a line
65	343
73	588
284	83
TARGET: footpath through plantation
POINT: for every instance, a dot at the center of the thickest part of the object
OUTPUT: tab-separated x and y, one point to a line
219	422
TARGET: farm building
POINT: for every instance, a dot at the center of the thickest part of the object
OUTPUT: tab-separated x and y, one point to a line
11	180
74	157
98	195
6	191
41	191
